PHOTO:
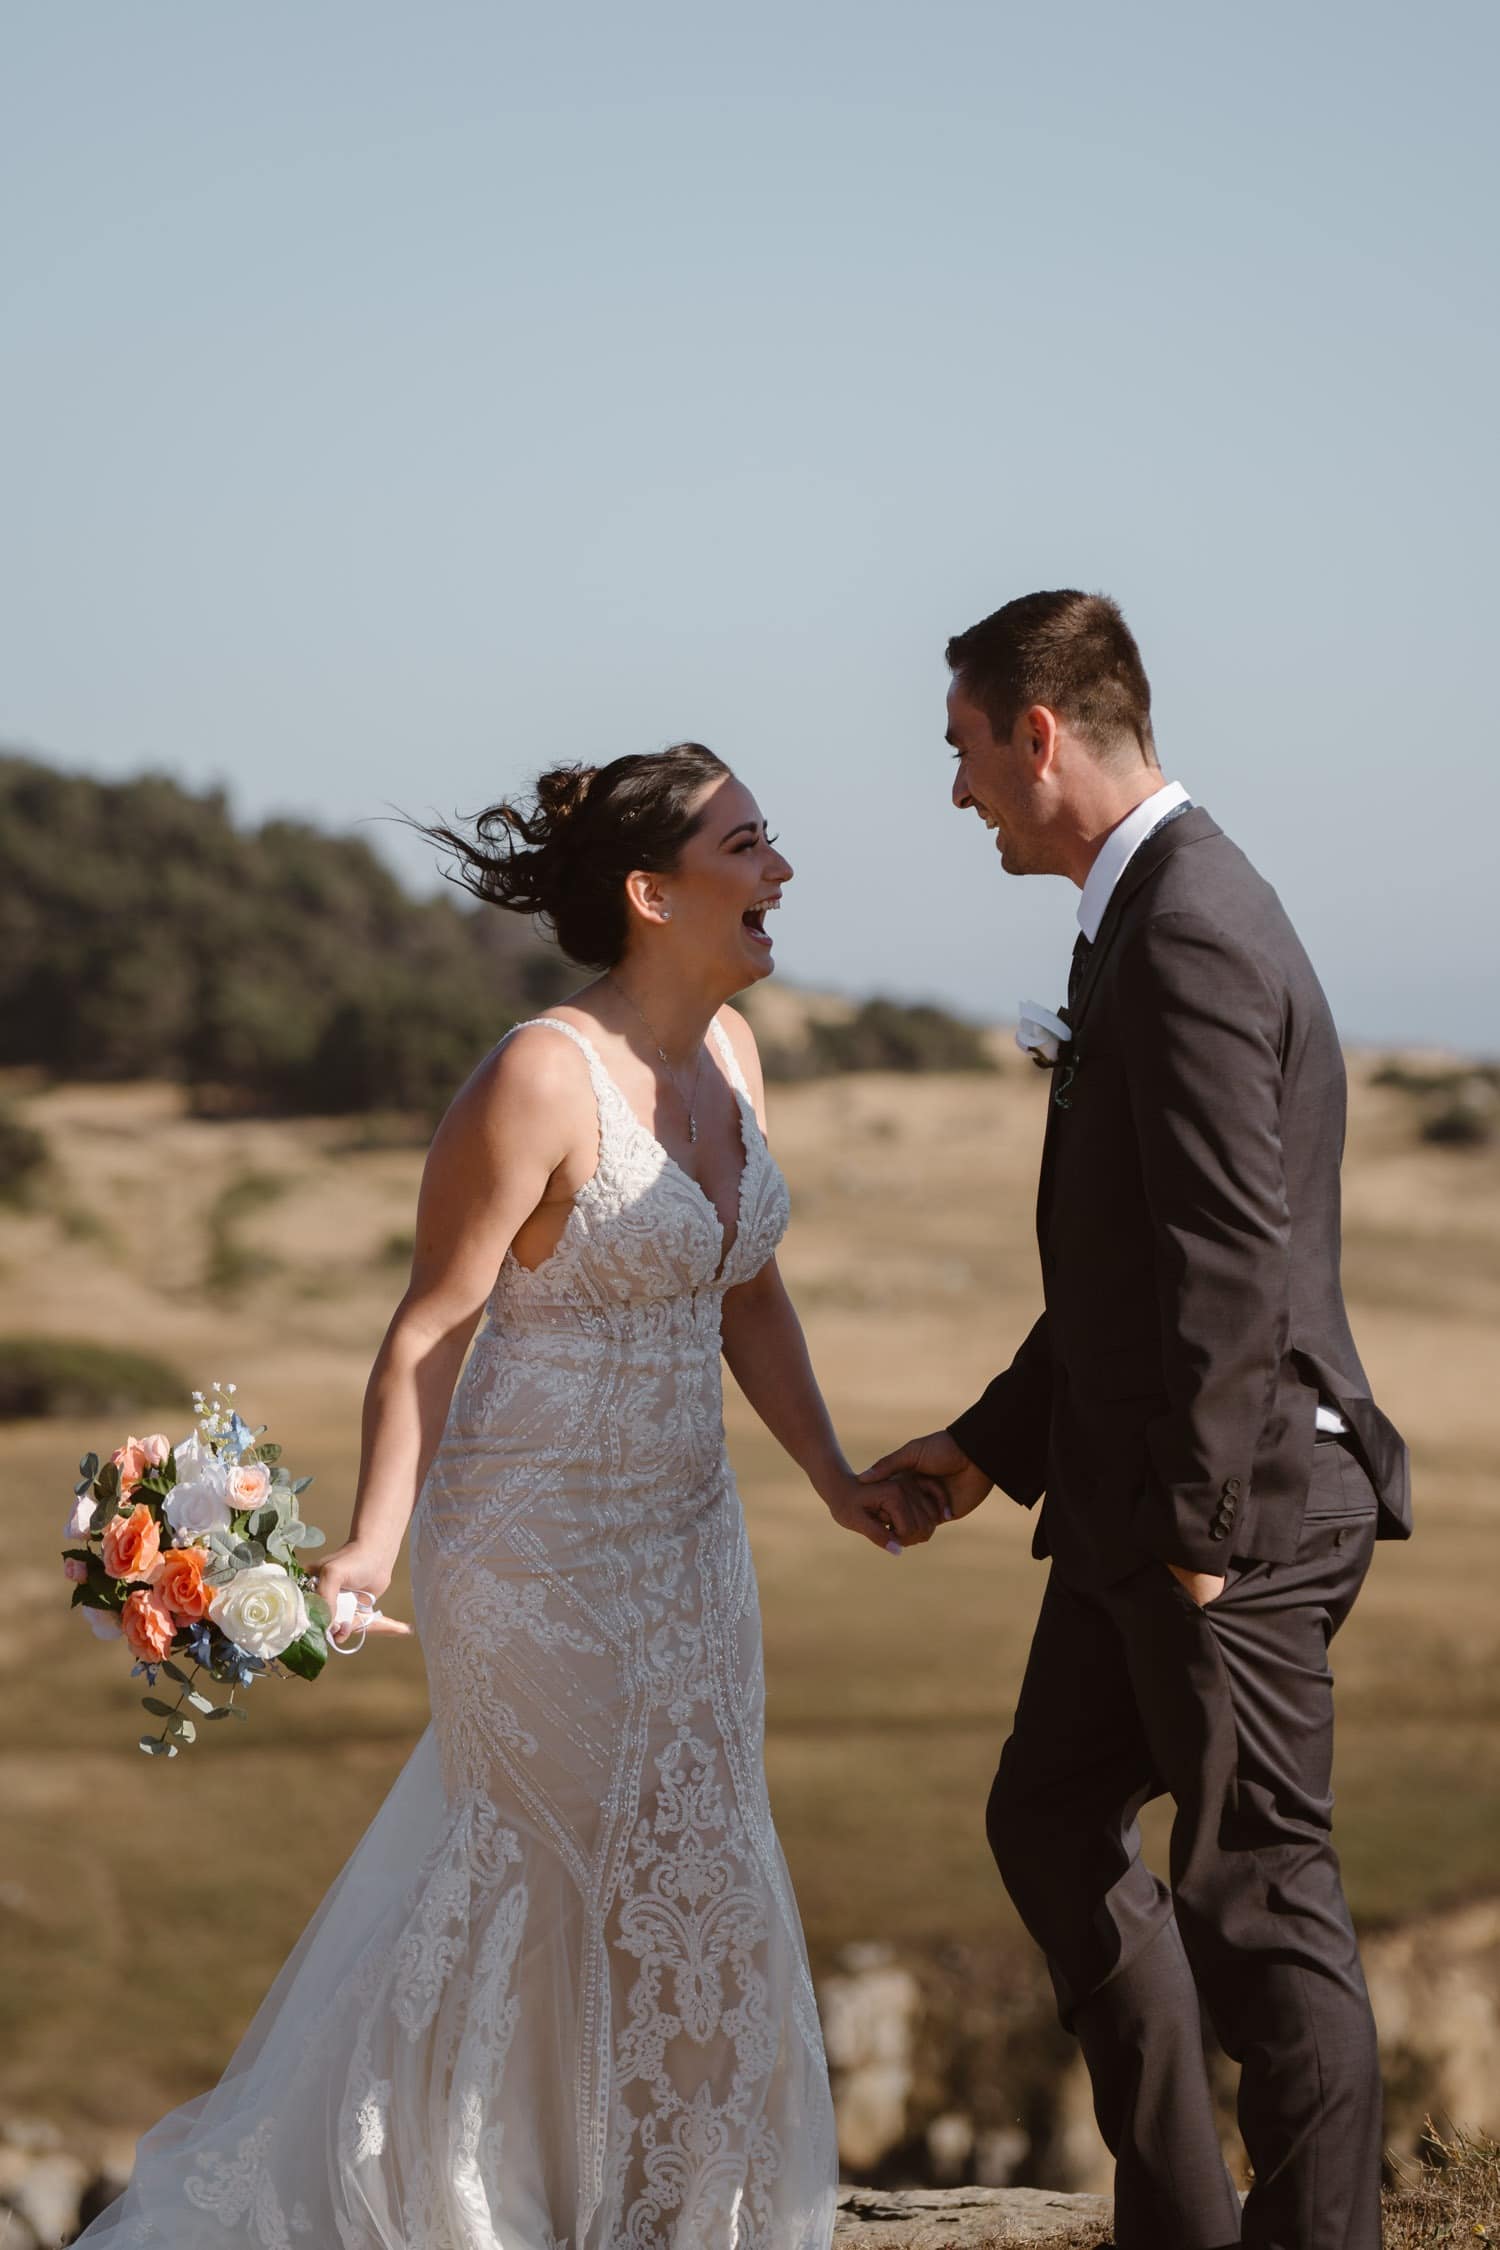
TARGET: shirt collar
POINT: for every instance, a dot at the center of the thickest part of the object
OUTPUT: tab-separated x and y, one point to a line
1119	849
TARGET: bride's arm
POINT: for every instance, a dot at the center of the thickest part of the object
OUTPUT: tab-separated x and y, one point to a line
767	1355
508	1134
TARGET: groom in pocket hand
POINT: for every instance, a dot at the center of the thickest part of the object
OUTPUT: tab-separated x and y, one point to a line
1215	1471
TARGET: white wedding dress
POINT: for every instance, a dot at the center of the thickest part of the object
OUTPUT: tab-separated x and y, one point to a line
558	1999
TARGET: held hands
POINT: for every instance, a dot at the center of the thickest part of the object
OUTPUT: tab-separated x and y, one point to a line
937	1468
892	1515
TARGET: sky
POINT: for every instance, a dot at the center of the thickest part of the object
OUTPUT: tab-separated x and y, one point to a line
399	399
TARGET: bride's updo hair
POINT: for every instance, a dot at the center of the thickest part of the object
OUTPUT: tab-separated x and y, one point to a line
564	854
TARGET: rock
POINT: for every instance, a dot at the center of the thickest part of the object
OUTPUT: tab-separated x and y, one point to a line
1435	1988
968	2219
46	2195
870	2008
15	2233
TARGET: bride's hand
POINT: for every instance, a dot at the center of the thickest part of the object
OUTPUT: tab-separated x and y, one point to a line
893	1515
361	1569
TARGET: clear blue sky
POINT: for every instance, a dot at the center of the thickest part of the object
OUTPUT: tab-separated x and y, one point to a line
402	397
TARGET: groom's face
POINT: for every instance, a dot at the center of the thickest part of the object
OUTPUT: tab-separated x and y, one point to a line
994	781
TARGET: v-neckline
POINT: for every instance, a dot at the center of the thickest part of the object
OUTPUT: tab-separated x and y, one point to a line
727	1242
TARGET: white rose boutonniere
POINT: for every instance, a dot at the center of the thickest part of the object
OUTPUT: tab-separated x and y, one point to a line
1047	1038
1041	1034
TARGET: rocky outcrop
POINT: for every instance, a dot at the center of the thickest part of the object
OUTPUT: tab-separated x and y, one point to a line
969	2219
949	2067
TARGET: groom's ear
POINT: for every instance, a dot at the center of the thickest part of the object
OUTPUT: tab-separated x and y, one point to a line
1037	734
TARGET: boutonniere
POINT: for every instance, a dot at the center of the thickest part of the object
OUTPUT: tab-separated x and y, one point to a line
1047	1039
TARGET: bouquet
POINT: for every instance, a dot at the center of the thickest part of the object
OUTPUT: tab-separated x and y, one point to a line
189	1552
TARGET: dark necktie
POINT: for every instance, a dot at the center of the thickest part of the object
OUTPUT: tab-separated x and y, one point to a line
1078	968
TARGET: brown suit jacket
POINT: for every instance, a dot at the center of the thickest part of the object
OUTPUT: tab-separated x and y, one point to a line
1188	1220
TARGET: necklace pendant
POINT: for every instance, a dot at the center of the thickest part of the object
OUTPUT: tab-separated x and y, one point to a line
692	1129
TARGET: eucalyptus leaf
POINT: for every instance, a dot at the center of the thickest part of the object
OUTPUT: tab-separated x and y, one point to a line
154	1747
200	1702
103	1511
175	1672
155	1705
225	1711
182	1728
311	1536
88	1468
302	1484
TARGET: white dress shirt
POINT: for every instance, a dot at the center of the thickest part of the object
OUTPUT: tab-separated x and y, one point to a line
1119	849
1115	854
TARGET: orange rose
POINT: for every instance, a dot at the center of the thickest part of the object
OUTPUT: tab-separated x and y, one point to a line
135	1457
181	1585
132	1545
148	1625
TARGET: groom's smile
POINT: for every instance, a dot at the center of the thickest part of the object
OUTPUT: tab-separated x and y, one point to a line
986	781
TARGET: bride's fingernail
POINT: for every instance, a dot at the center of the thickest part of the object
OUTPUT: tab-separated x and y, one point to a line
894	1547
947	1515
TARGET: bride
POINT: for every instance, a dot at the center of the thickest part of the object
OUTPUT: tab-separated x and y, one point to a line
558	1999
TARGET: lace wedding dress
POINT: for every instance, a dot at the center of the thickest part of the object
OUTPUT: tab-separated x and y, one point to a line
558	1998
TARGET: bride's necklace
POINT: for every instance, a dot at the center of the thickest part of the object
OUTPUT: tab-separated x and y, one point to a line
689	1102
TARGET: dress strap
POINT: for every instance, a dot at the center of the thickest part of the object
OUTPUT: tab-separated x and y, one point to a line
729	1058
599	1077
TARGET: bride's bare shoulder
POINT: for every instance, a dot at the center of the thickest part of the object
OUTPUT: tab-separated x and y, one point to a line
534	1077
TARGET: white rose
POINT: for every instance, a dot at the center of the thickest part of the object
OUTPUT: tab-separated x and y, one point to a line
1041	1034
261	1609
80	1518
199	1502
102	1623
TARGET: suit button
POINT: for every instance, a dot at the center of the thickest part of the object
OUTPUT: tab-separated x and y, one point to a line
1232	1489
1218	1531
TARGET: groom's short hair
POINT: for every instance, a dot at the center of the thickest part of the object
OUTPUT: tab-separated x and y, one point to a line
1072	652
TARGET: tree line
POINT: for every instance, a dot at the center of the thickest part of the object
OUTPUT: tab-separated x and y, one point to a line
144	933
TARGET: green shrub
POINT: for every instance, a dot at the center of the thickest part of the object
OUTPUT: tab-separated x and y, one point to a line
49	1375
1461	1123
889	1035
23	1160
232	1263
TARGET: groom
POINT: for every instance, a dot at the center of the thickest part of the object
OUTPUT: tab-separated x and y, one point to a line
1216	1473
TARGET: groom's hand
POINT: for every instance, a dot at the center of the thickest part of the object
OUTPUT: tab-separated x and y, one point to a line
892	1514
937	1465
1203	1588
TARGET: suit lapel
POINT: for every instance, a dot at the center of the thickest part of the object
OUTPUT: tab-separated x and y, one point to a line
1190	828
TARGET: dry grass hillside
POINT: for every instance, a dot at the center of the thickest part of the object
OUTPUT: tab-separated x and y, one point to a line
272	1252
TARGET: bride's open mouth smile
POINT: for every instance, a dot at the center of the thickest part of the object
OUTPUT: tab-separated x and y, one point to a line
754	919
